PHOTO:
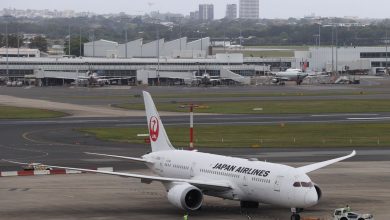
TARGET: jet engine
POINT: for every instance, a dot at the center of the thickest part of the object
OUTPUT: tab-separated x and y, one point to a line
185	196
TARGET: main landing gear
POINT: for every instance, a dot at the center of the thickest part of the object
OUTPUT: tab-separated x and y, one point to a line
249	205
295	215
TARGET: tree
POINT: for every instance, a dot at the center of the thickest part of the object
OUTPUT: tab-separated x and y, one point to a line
13	41
75	46
2	41
39	43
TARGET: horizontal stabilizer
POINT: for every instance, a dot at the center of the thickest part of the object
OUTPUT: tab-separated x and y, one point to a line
120	157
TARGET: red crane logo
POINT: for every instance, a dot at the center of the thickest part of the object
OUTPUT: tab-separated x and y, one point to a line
154	128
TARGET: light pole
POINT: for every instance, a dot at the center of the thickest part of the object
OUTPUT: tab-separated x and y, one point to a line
126	40
240	37
92	38
140	35
337	53
6	43
319	34
317	40
69	40
17	40
80	42
82	21
158	52
386	41
201	40
332	49
125	20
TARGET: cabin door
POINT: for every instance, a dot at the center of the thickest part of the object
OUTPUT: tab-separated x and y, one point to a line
246	186
278	183
192	170
161	165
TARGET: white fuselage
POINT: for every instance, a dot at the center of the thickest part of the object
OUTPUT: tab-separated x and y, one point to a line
291	75
254	181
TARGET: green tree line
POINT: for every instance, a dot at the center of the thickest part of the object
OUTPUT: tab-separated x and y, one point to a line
15	40
257	32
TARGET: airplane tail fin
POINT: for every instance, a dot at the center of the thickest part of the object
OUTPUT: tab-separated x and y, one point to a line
158	137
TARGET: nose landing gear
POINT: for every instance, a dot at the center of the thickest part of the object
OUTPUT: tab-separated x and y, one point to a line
295	215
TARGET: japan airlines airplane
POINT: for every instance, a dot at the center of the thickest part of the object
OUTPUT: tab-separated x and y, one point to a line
188	175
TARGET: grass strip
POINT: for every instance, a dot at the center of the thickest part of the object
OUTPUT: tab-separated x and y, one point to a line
190	94
283	135
275	107
10	112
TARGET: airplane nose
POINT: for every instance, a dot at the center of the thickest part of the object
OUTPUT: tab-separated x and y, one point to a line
311	198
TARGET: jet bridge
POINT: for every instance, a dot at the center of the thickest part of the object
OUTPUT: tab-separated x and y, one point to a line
227	74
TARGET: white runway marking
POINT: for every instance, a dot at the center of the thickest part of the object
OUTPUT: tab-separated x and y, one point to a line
378	118
345	114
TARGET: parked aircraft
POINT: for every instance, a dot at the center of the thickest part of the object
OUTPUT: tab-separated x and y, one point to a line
296	75
188	175
206	80
94	79
3	79
14	83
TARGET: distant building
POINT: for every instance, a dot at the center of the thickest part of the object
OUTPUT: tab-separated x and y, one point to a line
249	9
352	59
194	15
231	11
139	49
56	50
206	12
101	48
21	52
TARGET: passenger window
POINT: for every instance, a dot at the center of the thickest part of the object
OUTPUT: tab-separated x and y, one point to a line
297	184
307	184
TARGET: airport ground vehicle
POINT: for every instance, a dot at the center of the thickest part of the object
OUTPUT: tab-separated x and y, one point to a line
35	166
344	214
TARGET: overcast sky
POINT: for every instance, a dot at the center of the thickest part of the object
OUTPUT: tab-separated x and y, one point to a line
268	8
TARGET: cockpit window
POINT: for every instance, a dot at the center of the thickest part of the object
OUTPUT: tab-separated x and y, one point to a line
297	184
307	184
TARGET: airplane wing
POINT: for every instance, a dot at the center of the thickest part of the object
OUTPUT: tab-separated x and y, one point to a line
316	166
202	184
120	157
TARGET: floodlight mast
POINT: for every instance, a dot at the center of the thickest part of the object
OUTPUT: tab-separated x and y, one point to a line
7	43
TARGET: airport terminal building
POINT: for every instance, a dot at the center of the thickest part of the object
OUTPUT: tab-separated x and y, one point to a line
178	62
232	68
368	60
168	63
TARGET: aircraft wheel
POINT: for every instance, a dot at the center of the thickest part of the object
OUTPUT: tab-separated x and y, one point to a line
249	205
295	217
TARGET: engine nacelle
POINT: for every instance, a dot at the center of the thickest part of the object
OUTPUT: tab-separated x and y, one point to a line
185	196
275	80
